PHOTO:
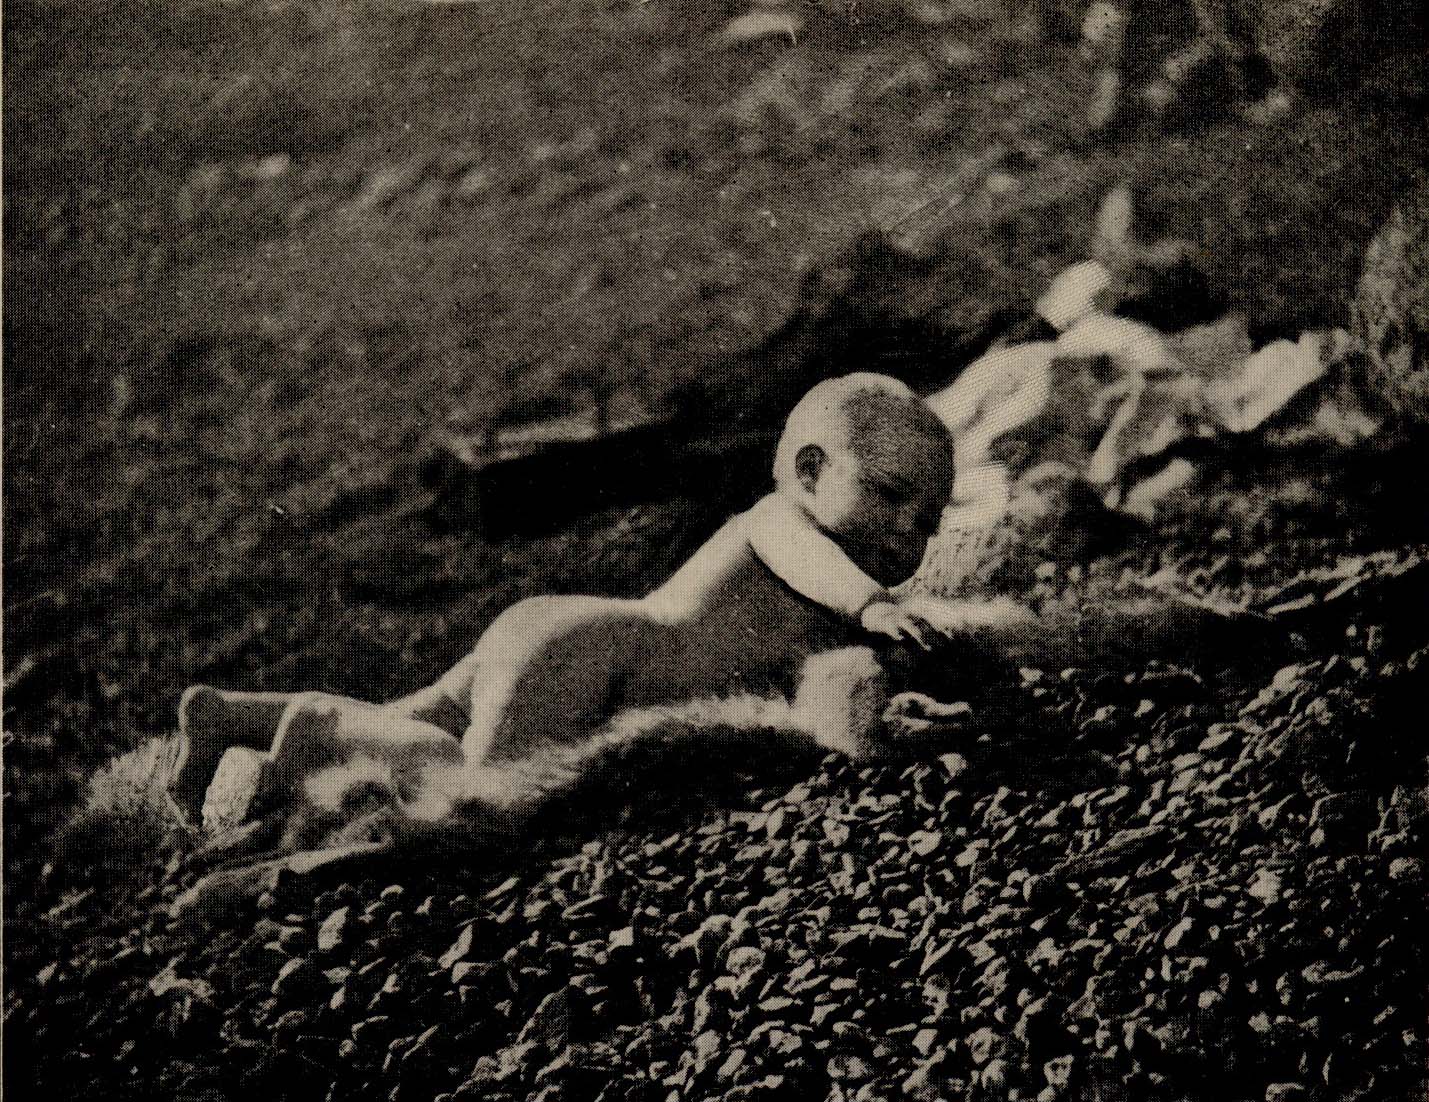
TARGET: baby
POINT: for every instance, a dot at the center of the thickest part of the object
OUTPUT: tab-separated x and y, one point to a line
783	603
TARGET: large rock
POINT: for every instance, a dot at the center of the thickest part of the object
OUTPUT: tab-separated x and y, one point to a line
1391	308
1002	529
1327	46
1266	380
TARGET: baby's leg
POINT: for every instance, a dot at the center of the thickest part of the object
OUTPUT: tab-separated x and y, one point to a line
210	722
318	731
552	671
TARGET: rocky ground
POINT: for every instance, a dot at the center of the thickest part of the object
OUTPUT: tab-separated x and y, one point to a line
271	260
1152	881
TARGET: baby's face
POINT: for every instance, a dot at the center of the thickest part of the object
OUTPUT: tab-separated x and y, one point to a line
883	502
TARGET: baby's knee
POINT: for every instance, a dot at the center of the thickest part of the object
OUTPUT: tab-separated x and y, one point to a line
307	729
312	706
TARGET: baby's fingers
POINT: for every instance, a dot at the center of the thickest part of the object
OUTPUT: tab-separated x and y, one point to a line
916	629
946	629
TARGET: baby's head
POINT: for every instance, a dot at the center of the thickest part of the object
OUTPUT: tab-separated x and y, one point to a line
873	465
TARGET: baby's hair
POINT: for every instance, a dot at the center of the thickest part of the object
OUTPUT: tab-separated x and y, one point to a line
865	413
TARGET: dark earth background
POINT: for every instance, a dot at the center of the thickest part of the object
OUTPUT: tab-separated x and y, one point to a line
272	269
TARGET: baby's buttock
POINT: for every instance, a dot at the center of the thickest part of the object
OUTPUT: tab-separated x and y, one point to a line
550	668
557	668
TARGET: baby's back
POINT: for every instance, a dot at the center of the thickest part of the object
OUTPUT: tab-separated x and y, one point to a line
736	626
554	669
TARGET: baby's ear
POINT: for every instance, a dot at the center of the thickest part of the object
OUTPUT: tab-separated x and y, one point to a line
808	465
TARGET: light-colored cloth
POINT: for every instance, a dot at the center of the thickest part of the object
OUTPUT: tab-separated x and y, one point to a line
1072	296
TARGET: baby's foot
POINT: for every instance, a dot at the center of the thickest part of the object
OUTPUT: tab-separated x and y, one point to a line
203	738
911	715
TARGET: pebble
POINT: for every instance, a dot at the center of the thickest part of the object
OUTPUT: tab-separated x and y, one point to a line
744	960
299	978
924	1041
844	1068
334	931
1409	869
550	1024
1179	933
459	949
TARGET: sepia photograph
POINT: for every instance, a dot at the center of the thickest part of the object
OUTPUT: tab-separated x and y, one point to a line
740	551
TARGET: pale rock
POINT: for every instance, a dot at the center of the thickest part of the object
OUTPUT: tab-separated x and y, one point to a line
1132	345
1266	886
1406	868
385	184
1073	294
459	949
334	930
1339	418
272	166
1103	29
169	984
744	960
1001	183
1105	98
759	24
1150	417
1001	391
297	978
1267	380
1114	220
1147	496
550	1024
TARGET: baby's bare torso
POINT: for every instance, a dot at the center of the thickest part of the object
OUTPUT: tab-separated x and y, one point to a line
557	668
738	627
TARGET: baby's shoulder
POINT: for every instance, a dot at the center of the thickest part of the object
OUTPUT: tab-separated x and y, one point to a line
714	565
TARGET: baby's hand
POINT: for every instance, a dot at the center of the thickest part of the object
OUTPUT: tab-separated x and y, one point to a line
955	617
899	622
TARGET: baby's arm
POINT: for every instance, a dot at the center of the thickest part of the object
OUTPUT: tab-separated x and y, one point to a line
814	566
807	560
918	618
